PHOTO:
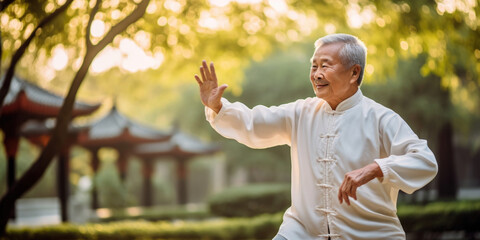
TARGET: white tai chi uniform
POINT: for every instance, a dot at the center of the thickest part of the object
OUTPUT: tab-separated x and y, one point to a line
325	145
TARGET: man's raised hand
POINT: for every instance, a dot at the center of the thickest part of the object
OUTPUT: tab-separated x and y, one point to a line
210	92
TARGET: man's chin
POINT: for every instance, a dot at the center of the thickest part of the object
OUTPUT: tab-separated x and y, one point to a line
320	93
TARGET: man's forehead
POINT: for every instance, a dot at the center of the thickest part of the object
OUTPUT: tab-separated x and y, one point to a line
321	57
326	52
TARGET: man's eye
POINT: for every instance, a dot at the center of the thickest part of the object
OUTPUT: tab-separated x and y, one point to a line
313	66
323	66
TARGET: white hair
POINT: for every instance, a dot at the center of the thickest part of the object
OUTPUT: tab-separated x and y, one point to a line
353	50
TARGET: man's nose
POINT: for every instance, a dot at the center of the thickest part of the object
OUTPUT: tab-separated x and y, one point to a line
318	75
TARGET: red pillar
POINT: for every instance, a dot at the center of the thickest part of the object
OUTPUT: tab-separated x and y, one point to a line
122	164
147	182
181	181
95	164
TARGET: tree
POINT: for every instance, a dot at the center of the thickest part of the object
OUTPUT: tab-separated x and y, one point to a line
59	134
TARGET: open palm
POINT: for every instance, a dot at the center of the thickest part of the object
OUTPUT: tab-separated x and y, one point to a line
210	92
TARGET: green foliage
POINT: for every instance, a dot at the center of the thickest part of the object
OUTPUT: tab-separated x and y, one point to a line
261	227
441	216
21	17
280	78
446	35
174	29
251	200
433	217
159	214
420	100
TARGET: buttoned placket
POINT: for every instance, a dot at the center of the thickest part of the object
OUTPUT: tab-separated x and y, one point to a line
326	165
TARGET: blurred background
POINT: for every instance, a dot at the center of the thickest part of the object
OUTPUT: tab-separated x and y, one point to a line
139	147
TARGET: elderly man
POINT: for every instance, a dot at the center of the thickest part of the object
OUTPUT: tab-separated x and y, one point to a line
350	155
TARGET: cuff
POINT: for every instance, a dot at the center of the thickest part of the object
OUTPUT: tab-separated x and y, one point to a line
383	162
211	115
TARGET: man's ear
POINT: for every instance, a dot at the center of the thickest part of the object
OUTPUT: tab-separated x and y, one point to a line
356	69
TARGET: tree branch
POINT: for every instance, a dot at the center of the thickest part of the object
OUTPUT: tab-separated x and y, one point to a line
88	41
4	4
120	26
21	50
1	56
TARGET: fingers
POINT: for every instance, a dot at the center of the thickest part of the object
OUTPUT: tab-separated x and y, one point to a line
353	193
347	200
198	80
206	71
212	71
343	193
347	189
208	75
340	194
202	73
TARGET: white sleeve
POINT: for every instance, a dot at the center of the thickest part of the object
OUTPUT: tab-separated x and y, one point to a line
259	127
410	164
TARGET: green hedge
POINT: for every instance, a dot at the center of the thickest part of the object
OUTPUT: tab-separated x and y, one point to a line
441	216
154	214
251	200
433	217
260	227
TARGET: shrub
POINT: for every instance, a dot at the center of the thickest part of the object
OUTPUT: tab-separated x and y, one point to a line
158	214
251	200
441	216
260	227
434	218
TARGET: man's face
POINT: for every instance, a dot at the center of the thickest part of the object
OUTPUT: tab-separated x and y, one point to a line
330	79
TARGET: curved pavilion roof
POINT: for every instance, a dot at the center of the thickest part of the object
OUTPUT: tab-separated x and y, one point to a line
180	145
28	99
115	129
38	132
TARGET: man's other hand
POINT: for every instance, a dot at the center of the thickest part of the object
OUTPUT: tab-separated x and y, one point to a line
210	92
355	179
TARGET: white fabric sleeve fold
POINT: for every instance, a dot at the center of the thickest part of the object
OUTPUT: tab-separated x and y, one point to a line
259	127
410	164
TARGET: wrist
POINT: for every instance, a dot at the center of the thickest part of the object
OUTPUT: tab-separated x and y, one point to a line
376	170
217	108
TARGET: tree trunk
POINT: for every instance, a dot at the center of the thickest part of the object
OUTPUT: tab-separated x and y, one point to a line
447	181
63	183
11	142
36	171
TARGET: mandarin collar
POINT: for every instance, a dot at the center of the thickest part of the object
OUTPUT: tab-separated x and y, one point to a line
347	103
